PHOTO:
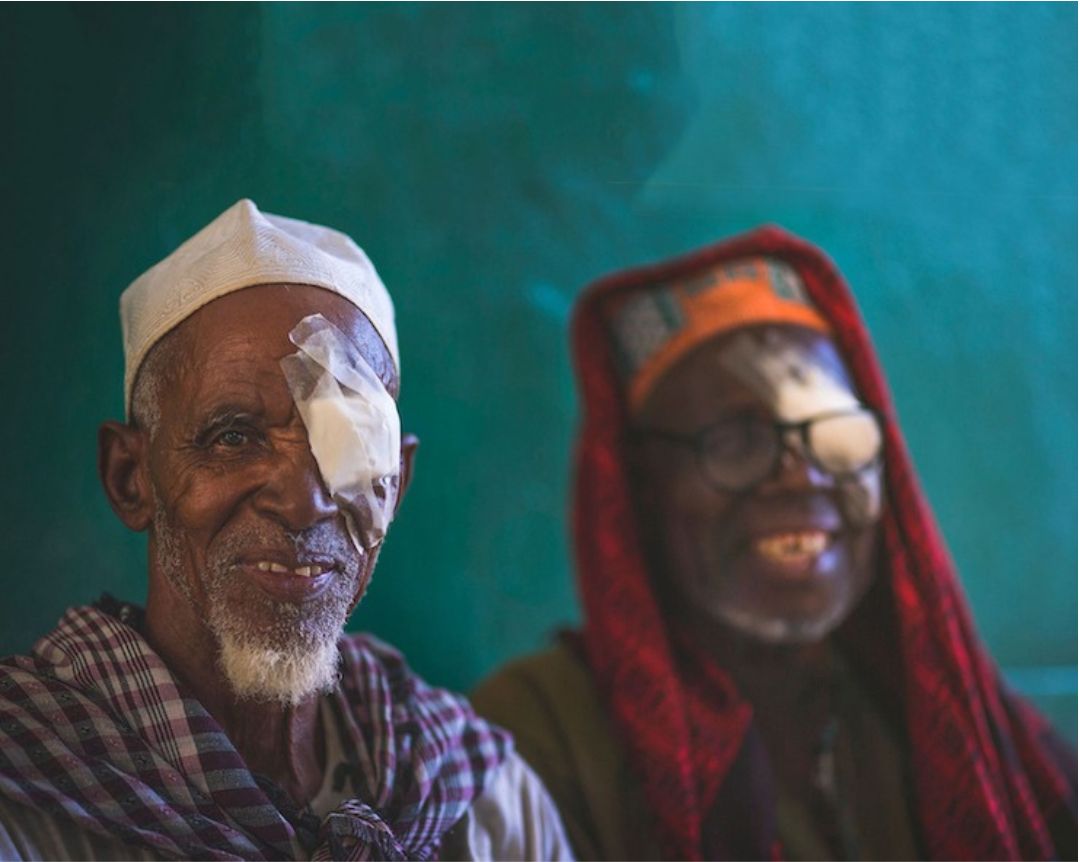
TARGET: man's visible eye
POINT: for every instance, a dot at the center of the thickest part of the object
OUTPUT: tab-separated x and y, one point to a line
231	439
229	435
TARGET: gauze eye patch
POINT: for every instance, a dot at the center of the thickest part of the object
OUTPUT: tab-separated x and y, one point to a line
352	423
786	376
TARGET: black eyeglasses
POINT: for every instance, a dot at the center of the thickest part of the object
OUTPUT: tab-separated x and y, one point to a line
739	452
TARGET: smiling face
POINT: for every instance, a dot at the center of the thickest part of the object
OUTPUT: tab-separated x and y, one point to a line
243	527
784	560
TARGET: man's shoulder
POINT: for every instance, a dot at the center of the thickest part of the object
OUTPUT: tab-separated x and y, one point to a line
555	680
367	662
550	702
29	833
82	638
28	679
382	690
365	645
513	819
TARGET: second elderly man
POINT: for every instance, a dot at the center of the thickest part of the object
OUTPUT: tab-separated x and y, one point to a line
777	660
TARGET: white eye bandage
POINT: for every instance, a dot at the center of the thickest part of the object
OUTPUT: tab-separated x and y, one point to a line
352	423
796	384
787	377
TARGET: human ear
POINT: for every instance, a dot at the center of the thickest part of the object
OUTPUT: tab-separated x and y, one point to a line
409	444
122	454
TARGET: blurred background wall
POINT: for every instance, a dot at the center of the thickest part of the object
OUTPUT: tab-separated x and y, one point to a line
492	159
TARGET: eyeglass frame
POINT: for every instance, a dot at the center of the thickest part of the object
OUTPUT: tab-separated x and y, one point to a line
783	430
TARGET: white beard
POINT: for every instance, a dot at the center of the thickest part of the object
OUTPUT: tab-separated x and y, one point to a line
287	676
288	652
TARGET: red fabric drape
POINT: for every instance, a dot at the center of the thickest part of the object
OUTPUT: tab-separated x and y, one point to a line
988	781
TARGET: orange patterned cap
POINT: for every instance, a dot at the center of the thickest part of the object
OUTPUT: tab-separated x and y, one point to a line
655	326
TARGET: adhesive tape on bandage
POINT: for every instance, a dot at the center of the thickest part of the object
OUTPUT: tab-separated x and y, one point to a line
352	423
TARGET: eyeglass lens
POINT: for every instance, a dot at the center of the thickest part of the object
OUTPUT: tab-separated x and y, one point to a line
739	453
845	443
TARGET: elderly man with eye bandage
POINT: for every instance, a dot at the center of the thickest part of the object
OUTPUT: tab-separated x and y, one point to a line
230	719
776	659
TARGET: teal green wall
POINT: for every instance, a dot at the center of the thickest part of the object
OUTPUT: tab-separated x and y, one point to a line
492	159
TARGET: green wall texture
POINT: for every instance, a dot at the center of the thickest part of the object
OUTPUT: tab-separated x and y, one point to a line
494	158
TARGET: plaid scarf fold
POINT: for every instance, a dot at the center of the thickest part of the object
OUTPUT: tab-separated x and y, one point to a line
95	729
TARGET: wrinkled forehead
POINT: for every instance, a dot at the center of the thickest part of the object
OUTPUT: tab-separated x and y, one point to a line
243	336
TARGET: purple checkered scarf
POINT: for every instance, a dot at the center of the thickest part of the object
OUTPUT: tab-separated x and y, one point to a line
95	729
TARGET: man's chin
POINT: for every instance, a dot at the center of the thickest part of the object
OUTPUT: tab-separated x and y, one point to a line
780	629
283	676
273	651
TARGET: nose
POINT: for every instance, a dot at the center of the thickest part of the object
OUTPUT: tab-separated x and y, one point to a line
294	493
794	470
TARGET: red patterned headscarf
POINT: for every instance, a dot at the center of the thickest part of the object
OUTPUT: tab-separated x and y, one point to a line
990	778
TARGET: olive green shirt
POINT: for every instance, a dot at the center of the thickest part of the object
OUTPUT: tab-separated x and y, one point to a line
550	704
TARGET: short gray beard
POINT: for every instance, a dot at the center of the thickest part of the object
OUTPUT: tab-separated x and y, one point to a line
288	677
290	653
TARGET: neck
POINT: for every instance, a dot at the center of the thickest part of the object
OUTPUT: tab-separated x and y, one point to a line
732	648
780	675
281	742
792	689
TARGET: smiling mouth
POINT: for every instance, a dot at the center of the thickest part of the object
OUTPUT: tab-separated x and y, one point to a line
792	550
301	571
285	581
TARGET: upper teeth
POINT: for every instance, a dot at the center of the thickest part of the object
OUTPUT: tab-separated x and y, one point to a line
787	546
302	571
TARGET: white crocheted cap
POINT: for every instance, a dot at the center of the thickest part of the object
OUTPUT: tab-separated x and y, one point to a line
241	248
